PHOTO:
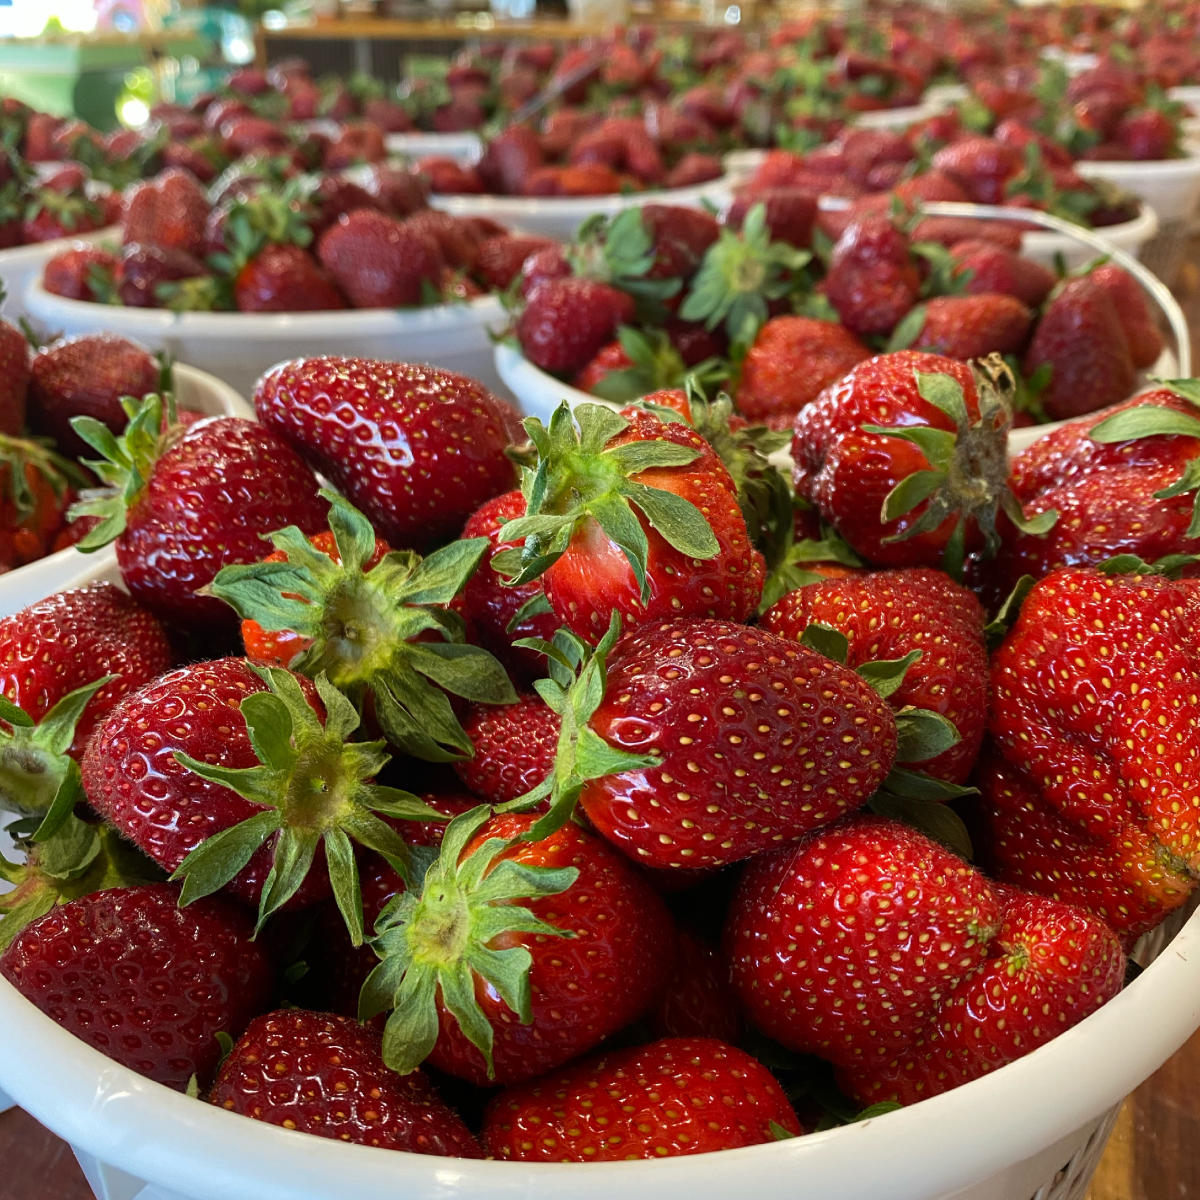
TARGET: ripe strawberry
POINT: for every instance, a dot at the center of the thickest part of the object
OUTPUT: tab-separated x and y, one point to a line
698	1000
324	1074
791	361
445	177
169	210
885	615
285	279
973	326
145	273
633	515
1145	342
986	267
514	747
74	273
981	165
791	212
14	379
948	231
1092	716
500	258
398	190
509	159
456	239
496	1018
142	980
36	486
1081	339
872	280
566	321
435	448
671	1097
378	262
50	215
181	504
1147	135
86	376
893	416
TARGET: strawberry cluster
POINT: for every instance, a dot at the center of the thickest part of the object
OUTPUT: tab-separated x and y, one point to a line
610	757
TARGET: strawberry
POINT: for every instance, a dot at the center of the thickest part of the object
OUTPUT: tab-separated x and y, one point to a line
633	515
972	326
379	262
74	273
183	502
671	1097
679	239
1145	342
1081	339
398	190
50	215
982	166
456	239
285	279
374	622
1147	135
324	1074
872	280
436	446
515	998
698	1000
36	486
885	616
894	416
87	376
566	321
142	980
986	267
1093	706
514	748
790	212
509	159
499	259
14	379
791	360
145	273
169	210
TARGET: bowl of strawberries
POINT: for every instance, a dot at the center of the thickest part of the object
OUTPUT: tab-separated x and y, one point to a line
625	812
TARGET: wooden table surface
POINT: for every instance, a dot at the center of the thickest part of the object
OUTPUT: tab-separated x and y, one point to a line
1153	1154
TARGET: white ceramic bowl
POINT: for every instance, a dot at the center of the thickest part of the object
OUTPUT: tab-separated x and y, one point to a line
193	389
239	347
1171	186
559	217
20	265
465	148
1045	245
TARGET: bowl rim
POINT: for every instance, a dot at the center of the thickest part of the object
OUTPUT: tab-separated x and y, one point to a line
1135	231
514	207
35	250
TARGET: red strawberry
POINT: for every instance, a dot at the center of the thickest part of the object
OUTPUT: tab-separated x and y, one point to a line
181	505
1147	135
142	980
145	269
86	376
981	165
435	452
509	159
499	259
398	190
698	1000
950	230
676	1096
566	321
446	177
74	272
14	379
169	210
378	261
790	212
986	267
285	279
50	215
1092	714
636	516
885	615
872	279
514	746
456	239
679	238
791	361
1081	339
492	889
1145	342
973	326
36	486
324	1074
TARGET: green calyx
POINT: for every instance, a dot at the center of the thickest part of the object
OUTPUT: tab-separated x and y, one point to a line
435	946
312	788
741	272
655	365
1152	420
578	476
385	631
620	251
24	457
126	462
266	218
967	476
38	778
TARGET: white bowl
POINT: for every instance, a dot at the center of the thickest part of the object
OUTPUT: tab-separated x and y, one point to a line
193	389
1045	245
559	217
1171	186
20	265
740	165
239	347
464	148
899	118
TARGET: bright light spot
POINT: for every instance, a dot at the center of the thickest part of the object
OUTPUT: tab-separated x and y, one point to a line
733	14
134	112
274	19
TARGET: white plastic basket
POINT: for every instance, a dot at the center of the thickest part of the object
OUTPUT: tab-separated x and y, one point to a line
239	347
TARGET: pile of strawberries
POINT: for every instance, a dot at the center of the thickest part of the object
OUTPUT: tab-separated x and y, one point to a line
312	244
779	300
571	793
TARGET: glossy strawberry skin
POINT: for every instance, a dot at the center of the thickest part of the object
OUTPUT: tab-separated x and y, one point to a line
698	1000
758	741
1094	707
671	1097
324	1074
973	326
885	615
566	321
169	210
209	499
827	939
584	987
593	577
416	448
142	980
872	280
285	279
131	776
377	262
515	746
72	638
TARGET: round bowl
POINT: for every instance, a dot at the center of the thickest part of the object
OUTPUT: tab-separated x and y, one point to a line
740	165
239	347
560	216
465	148
898	118
193	389
1171	186
1045	245
20	265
